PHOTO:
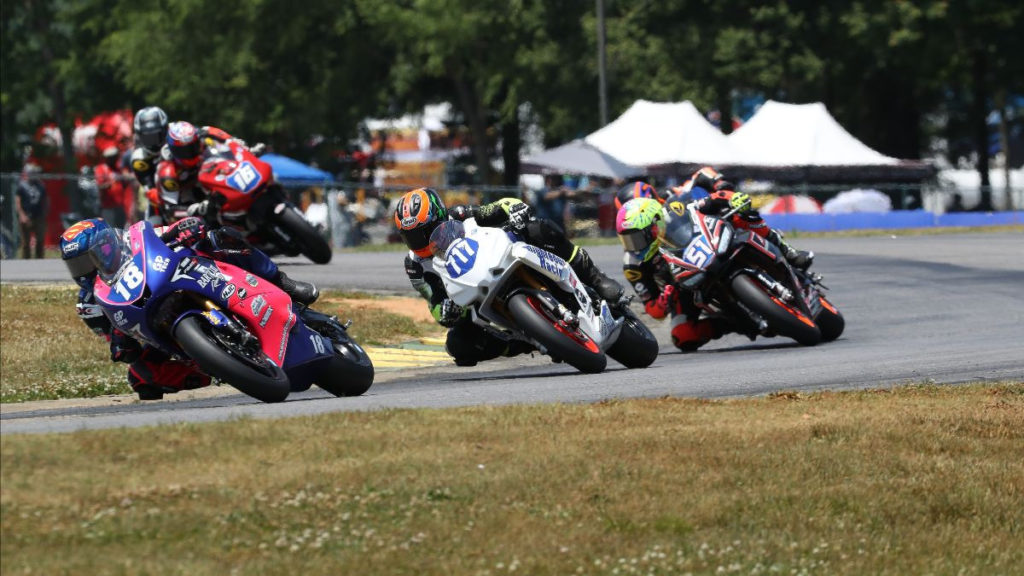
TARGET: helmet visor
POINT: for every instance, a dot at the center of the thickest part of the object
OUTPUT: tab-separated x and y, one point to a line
151	138
185	152
80	265
635	240
418	238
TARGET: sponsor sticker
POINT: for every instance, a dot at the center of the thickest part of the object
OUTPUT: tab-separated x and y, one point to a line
228	290
257	305
184	268
251	280
242	294
161	263
266	316
69	248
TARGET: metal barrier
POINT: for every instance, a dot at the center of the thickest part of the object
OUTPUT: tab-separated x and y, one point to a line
353	214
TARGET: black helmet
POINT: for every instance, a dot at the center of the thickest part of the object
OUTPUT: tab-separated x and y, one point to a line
151	128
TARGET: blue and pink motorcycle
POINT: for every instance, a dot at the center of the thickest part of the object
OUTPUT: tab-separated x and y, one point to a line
237	327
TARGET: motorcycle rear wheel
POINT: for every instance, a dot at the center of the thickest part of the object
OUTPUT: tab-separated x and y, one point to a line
255	376
784	319
830	321
570	345
310	243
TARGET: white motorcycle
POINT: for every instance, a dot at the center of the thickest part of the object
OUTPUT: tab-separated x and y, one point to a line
518	291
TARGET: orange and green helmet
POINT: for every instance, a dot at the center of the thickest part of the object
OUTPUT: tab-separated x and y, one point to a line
418	213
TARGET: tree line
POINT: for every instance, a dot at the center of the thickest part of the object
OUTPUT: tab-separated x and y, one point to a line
895	73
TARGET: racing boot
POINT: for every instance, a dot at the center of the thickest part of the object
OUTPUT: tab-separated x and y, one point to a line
608	289
302	292
801	259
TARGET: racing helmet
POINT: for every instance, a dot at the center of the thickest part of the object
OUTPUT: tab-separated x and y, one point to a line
104	176
150	127
184	144
417	214
74	249
635	190
638	225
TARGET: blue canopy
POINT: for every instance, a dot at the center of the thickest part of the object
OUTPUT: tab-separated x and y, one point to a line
290	171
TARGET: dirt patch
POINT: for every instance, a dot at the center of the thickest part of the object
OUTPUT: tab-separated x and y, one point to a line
415	308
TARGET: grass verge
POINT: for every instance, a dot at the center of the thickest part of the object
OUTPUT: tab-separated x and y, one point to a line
914	480
48	353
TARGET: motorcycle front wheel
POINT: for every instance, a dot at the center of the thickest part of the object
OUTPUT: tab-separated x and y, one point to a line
350	372
252	373
569	344
636	347
783	318
830	321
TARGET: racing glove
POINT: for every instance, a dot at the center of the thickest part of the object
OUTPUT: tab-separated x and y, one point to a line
258	149
184	232
659	307
519	215
448	313
740	202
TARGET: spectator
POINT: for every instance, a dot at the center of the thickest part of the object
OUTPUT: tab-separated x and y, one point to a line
30	202
89	194
550	201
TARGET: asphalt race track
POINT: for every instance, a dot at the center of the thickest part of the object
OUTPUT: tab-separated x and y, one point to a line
944	308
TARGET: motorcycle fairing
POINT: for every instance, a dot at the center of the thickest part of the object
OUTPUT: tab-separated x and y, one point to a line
496	258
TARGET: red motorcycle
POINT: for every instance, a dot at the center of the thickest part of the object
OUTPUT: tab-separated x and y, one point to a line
243	191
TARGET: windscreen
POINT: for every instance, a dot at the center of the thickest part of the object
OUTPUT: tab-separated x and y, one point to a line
449	232
109	252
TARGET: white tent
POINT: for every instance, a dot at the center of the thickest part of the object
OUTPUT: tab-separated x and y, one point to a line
655	133
799	135
578	157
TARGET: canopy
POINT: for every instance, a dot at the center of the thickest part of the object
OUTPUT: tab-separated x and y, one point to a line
792	204
659	133
291	171
578	157
800	135
858	200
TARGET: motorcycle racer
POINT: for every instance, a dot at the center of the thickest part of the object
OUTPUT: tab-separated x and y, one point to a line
420	211
641	226
150	128
636	189
152	373
177	193
722	197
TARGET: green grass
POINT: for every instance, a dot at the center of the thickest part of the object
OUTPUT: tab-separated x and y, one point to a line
48	353
916	480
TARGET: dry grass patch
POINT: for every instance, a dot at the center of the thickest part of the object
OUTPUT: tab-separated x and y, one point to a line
48	353
917	480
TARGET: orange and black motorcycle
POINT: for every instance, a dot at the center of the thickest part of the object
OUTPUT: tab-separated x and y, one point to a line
736	275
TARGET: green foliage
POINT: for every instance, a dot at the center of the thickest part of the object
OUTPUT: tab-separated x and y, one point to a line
279	71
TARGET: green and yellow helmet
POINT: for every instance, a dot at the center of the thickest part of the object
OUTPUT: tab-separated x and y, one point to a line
639	224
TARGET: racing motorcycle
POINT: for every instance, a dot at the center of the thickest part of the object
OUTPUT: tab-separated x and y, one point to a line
244	195
517	291
237	327
738	276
